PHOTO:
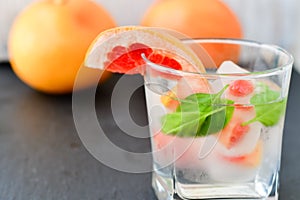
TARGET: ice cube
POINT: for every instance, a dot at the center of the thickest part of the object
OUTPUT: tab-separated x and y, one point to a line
247	143
187	150
155	109
191	84
235	169
272	137
225	171
181	151
229	67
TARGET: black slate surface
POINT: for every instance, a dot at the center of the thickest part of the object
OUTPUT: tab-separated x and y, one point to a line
42	157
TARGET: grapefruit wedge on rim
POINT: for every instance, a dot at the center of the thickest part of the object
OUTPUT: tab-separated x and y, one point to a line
120	50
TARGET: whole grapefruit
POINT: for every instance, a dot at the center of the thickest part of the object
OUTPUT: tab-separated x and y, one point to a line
48	41
197	19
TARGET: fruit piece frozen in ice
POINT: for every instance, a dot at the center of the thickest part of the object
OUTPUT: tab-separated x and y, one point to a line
162	149
227	67
162	140
234	139
231	137
252	159
119	50
234	131
169	99
239	91
236	168
183	152
242	107
241	88
246	144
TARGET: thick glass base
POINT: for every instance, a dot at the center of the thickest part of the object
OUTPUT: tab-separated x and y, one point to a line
167	189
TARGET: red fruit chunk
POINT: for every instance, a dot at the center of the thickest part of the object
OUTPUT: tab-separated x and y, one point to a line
230	137
116	52
252	159
171	63
156	58
169	100
140	47
241	88
243	107
162	140
237	133
123	64
128	60
136	50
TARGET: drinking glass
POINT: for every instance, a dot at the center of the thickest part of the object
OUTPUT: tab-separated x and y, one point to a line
217	134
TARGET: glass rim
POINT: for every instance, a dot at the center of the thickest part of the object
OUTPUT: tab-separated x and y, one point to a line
257	74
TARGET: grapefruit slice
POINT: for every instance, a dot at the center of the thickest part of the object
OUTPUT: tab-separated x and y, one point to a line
119	50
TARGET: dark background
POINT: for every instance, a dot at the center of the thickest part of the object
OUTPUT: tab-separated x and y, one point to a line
42	157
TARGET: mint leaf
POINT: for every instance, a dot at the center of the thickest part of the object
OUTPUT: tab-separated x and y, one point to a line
181	123
217	120
268	107
199	114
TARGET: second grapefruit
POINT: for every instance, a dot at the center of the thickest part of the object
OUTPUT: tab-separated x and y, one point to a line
197	19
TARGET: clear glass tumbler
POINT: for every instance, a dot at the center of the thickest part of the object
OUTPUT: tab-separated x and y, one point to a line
218	134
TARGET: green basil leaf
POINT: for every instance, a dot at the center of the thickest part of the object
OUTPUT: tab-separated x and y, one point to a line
268	107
